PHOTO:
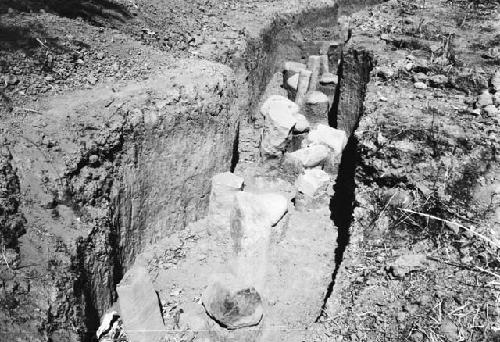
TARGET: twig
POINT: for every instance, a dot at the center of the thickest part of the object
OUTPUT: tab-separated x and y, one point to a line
494	244
28	110
5	259
41	43
486	271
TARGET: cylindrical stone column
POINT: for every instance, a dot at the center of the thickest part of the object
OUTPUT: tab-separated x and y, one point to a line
302	86
314	64
316	106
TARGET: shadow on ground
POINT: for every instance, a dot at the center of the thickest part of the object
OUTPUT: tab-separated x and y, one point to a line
93	11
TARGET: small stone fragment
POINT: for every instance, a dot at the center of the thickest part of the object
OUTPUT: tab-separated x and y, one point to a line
491	111
106	323
293	82
420	85
438	80
302	124
420	77
484	99
329	78
232	304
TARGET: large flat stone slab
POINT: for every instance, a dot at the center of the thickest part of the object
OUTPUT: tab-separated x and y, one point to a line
139	306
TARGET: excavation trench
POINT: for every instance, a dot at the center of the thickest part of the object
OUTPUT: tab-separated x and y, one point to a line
136	185
135	225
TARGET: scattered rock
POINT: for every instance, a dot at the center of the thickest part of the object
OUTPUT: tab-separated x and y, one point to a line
438	81
385	72
407	263
450	330
310	156
491	111
232	304
420	77
484	99
420	85
335	139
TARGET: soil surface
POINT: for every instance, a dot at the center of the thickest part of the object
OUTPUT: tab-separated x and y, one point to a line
417	250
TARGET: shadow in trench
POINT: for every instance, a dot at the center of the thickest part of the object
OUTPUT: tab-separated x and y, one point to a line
342	207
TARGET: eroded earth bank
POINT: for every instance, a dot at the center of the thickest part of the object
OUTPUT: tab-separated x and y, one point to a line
249	171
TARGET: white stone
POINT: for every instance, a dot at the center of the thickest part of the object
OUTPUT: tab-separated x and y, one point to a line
302	124
420	85
293	66
495	81
315	97
107	320
280	117
335	139
491	110
252	219
484	99
224	187
311	181
329	78
310	156
293	81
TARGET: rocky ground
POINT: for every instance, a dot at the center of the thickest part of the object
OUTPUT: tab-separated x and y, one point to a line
418	262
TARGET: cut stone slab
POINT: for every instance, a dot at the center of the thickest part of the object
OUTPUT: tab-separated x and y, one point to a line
310	156
224	187
302	86
293	82
314	64
231	303
312	181
280	117
293	67
139	307
335	139
316	107
252	219
253	216
300	270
